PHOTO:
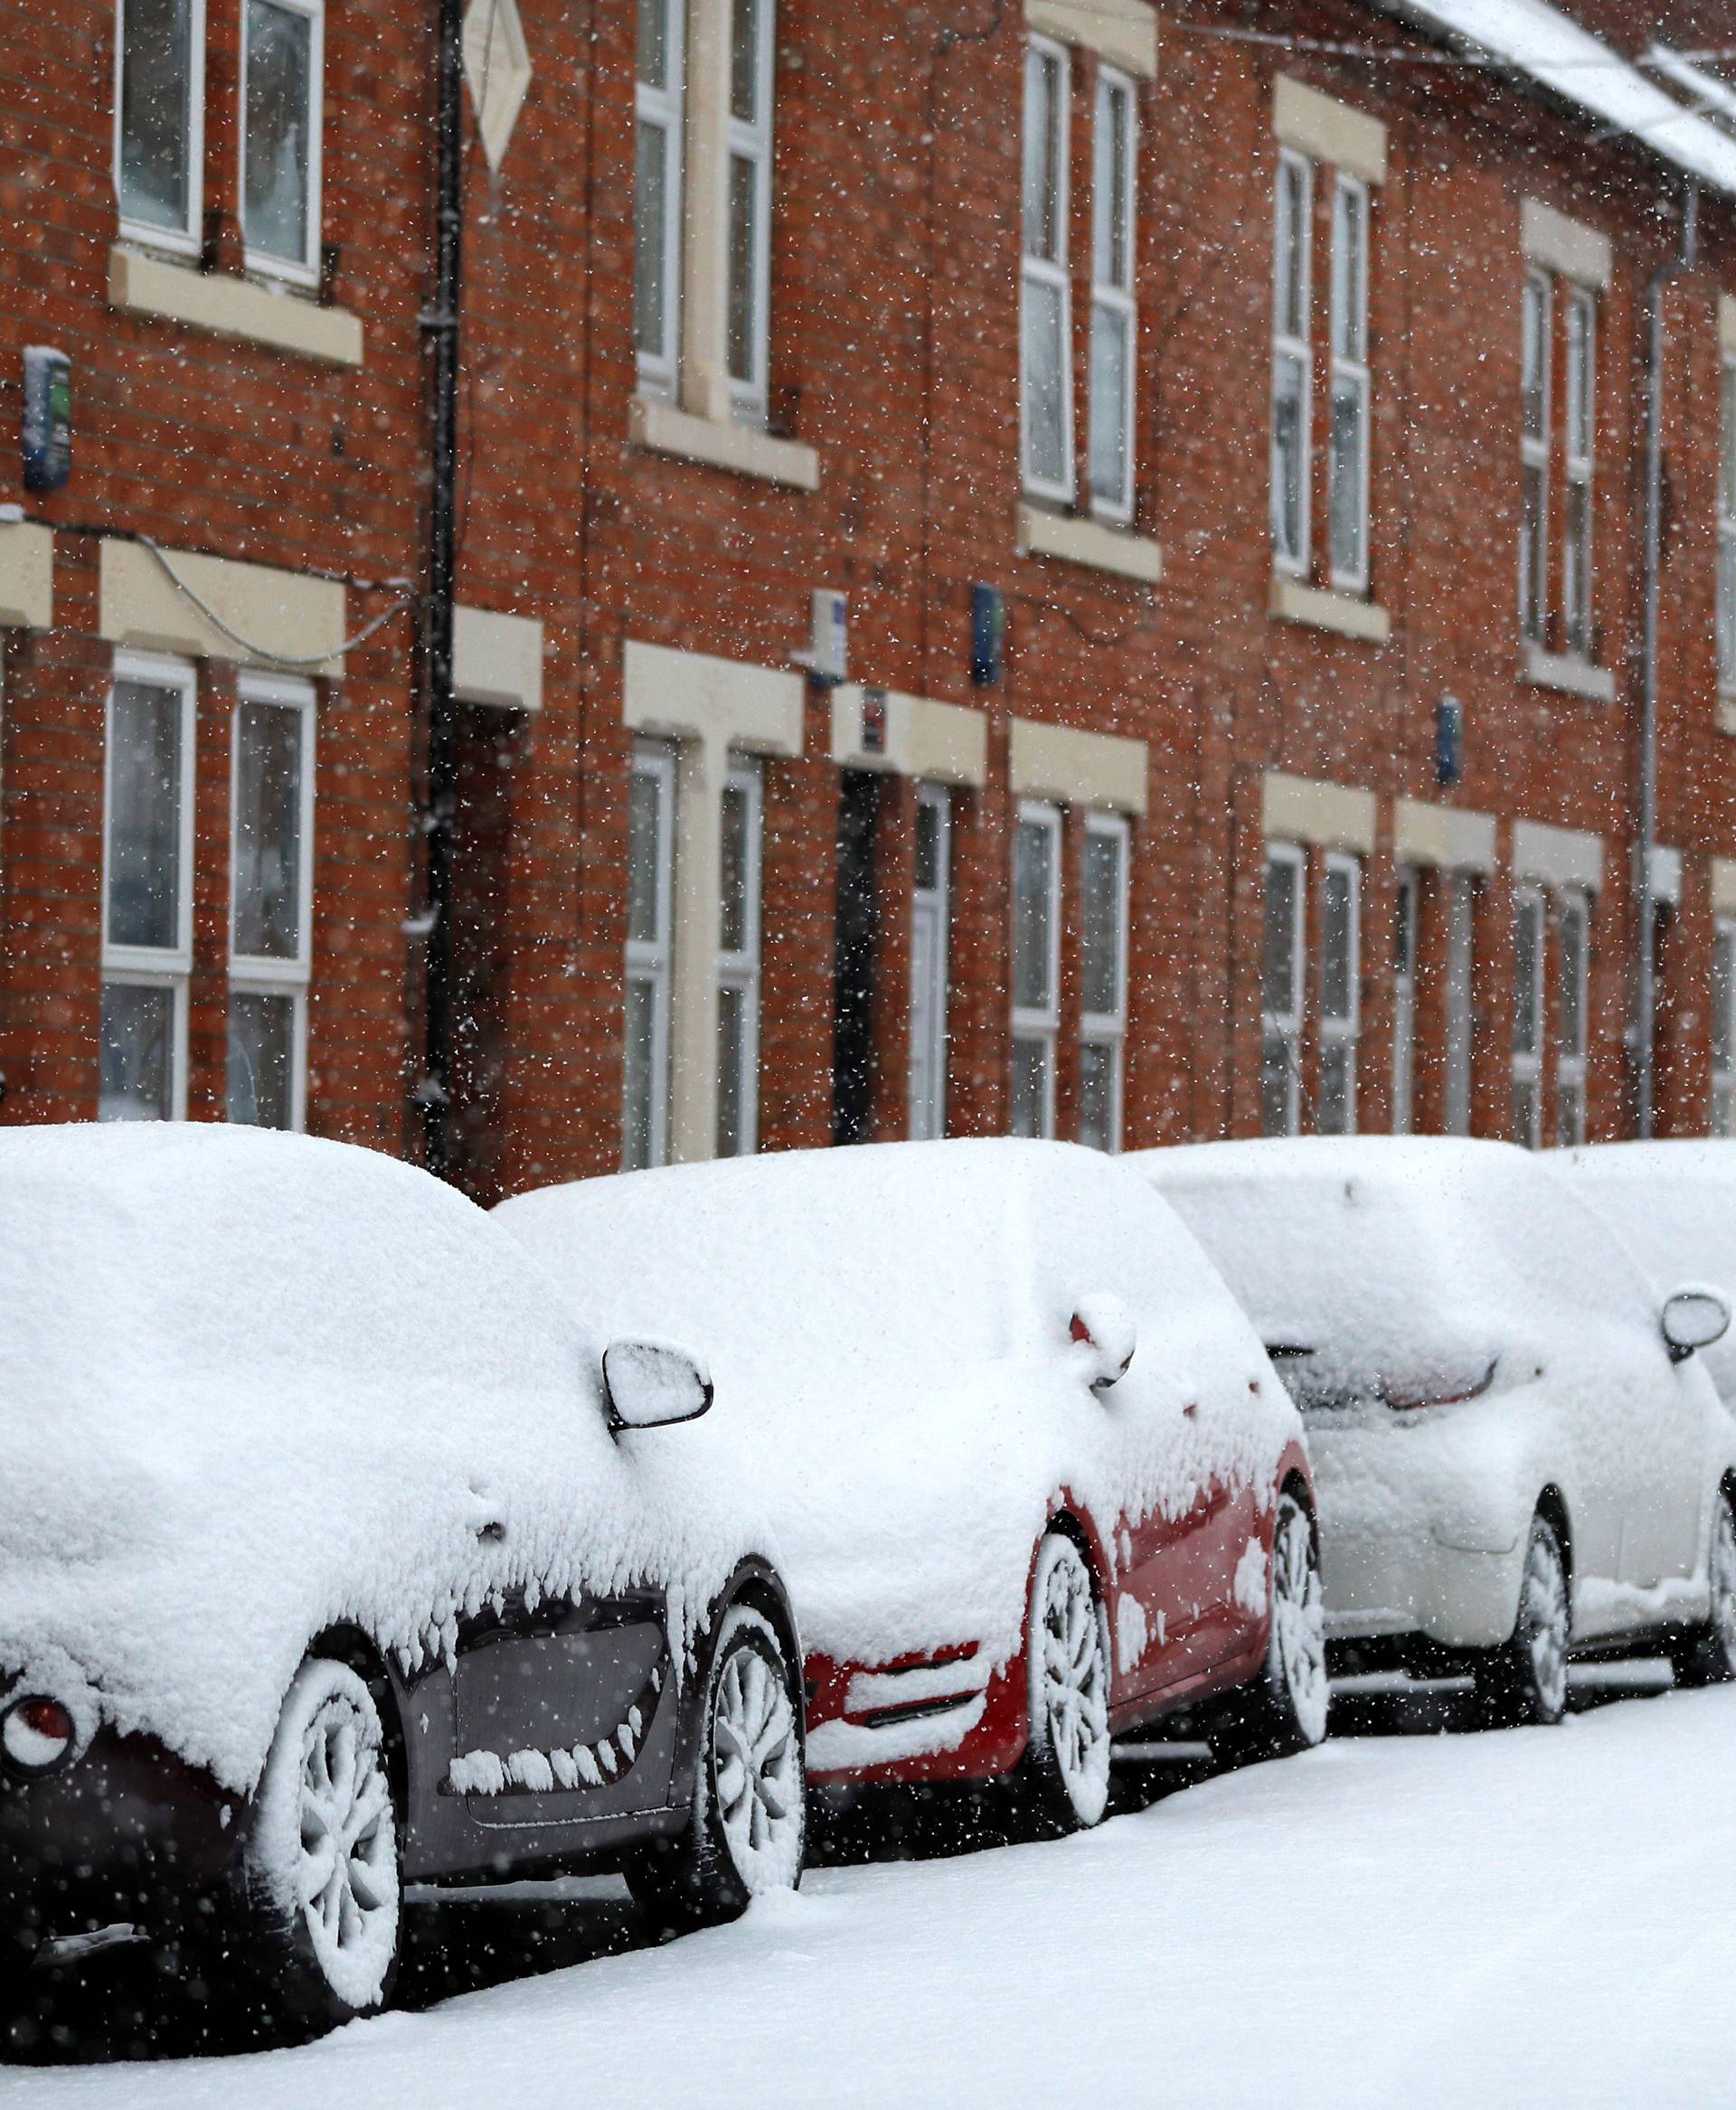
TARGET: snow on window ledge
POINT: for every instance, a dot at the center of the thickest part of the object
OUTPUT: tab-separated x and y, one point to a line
1571	674
1348	614
744	450
1074	539
228	306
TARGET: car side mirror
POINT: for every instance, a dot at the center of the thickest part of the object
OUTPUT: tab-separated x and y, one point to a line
1105	1337
652	1384
1694	1318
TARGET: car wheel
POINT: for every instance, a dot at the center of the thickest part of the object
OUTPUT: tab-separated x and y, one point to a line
1067	1756
1524	1681
1284	1710
318	1909
1707	1655
748	1832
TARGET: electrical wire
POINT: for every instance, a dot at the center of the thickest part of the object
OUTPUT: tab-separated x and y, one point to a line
249	644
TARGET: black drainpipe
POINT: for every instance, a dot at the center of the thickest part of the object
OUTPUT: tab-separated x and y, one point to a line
1645	979
440	324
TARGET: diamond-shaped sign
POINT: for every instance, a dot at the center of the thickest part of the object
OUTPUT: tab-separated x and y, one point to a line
497	69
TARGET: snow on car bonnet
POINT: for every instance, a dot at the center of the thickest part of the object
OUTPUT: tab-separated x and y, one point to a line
252	1385
888	1329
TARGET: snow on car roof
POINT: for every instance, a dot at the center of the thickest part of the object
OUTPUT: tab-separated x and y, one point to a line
253	1384
888	1330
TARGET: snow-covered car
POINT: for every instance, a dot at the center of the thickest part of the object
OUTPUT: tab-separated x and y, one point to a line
332	1560
1519	1454
1673	1204
1033	1479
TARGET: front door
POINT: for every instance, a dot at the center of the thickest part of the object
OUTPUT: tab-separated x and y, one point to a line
557	1707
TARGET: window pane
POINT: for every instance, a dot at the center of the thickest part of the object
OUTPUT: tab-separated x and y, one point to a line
650	254
747	27
1527	976
1727	483
1534	360
1338	944
1576	568
1280	993
653	42
1290	307
1044	408
261	1057
279	124
1580	391
1290	467
645	859
1349	438
1032	882
268	848
136	1070
1336	1110
1404	928
1533	554
1029	1095
1349	233
1570	1114
1112	178
744	274
145	816
1111	348
1276	1086
1727	610
1527	1113
640	1072
1573	963
736	926
1042	175
156	90
1101	992
930	875
1723	998
1096	1068
732	1084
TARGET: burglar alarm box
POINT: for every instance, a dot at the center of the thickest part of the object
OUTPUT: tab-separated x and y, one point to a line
48	417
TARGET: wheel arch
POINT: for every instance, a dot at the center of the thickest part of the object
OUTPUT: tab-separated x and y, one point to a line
1552	1504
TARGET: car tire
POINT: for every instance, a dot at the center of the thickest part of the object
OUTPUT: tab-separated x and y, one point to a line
1706	1655
1524	1681
747	1836
315	1925
1066	1764
1284	1709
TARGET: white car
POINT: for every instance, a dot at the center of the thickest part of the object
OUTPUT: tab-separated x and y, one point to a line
1675	1205
1518	1452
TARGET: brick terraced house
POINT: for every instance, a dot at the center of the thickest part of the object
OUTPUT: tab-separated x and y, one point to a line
1022	565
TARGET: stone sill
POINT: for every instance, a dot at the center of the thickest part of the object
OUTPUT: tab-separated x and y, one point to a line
742	449
1341	613
1569	675
1075	539
232	308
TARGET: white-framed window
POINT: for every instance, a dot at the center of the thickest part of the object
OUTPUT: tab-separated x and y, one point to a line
1724	1028
748	231
160	120
650	957
1341	888
930	962
738	960
1292	360
657	160
1574	938
147	890
1037	967
1461	960
1407	905
1114	332
1347	448
1530	925
1046	394
1579	444
1281	989
282	98
270	901
1727	530
1102	979
1535	362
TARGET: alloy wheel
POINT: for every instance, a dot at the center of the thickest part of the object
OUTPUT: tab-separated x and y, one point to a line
1071	1715
1299	1620
347	1882
1546	1620
757	1770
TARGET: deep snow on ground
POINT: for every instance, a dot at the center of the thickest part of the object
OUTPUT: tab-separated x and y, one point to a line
1538	1917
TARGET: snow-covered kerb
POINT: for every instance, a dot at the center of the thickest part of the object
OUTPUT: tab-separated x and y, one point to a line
889	1330
252	1385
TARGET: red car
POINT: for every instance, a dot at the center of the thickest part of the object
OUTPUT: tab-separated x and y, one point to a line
1024	1464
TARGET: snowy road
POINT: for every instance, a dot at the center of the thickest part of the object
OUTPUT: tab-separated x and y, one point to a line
1540	1916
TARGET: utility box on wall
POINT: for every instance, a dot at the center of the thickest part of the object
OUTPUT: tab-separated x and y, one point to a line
48	417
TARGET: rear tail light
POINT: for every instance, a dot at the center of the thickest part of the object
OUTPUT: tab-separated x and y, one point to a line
36	1735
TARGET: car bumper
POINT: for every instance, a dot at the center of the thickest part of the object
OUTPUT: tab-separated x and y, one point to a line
1407	1582
127	1833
